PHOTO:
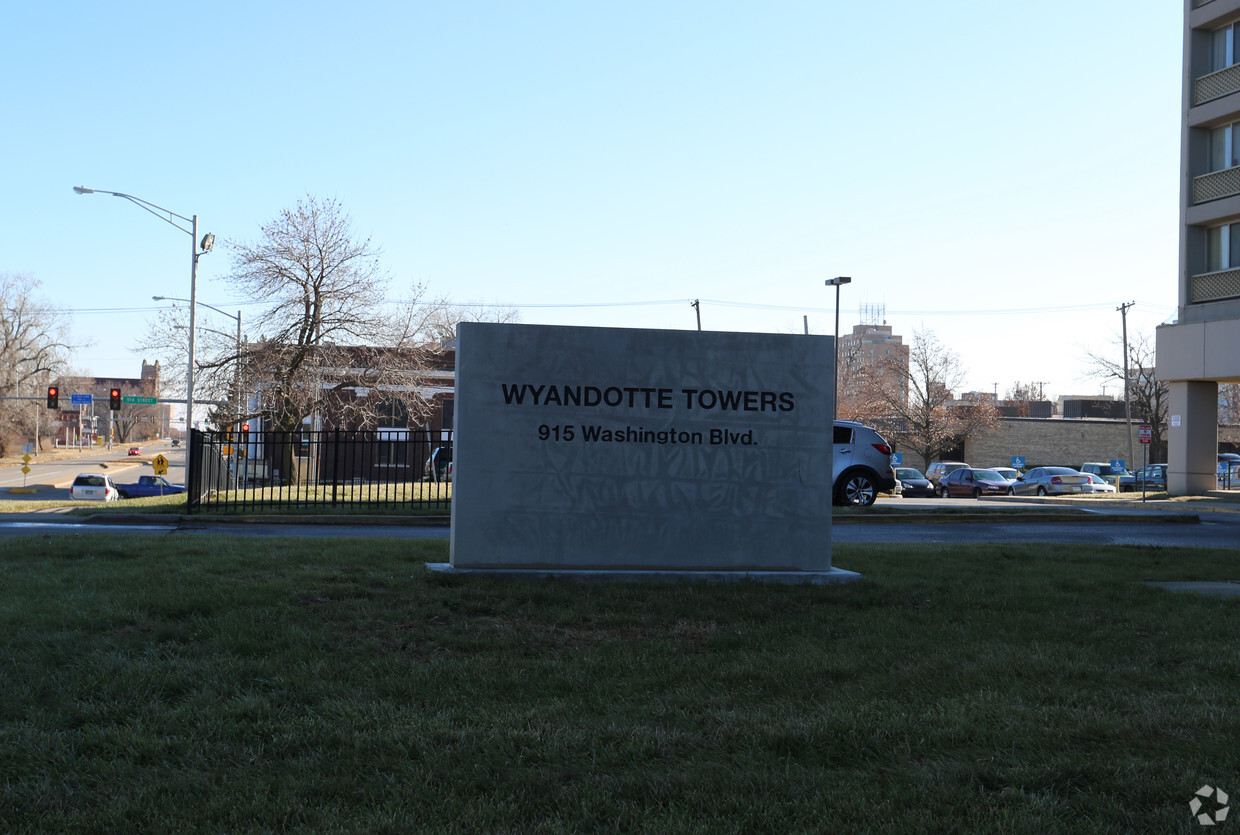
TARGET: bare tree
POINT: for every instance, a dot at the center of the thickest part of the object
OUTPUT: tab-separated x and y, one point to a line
441	318
919	413
1021	395
328	341
1229	404
1149	396
167	337
33	349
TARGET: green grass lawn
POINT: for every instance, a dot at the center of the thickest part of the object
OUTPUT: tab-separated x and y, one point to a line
230	684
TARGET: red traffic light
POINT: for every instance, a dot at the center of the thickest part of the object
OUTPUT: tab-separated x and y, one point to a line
53	397
114	399
245	427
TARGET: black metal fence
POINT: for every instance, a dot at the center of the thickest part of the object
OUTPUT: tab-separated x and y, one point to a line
363	471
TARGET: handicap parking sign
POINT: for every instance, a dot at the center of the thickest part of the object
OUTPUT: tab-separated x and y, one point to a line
1018	462
1117	464
897	458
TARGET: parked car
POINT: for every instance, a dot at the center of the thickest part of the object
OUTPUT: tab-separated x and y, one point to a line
1097	484
975	482
1118	476
860	464
1010	473
1051	481
439	466
95	487
133	450
913	483
1151	478
941	468
1228	474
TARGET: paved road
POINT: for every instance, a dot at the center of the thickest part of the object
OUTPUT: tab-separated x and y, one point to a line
55	476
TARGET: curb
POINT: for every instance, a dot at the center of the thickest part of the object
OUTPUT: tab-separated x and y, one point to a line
899	518
998	518
184	519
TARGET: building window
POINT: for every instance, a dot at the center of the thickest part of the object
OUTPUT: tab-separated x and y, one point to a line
1224	147
1223	48
1223	247
393	434
393	445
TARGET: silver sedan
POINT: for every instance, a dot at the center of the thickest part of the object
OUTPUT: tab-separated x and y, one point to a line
1051	481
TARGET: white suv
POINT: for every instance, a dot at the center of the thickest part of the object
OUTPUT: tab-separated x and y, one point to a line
94	486
861	464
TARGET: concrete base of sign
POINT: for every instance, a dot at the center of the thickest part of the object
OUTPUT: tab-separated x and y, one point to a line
828	576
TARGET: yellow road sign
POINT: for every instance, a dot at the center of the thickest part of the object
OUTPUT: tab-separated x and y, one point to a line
25	470
26	459
160	464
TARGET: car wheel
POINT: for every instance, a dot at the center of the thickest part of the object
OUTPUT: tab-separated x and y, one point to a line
1011	492
977	492
858	490
1041	491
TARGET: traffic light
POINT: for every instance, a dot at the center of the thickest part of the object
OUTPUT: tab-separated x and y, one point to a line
53	397
245	427
114	399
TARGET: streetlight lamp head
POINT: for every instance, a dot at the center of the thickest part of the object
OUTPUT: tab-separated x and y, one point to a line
838	280
83	190
208	241
157	298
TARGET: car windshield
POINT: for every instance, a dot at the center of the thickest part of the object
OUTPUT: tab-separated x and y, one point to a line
909	473
987	475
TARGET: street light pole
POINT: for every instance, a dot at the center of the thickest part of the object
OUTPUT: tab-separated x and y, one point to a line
193	298
206	244
837	282
192	305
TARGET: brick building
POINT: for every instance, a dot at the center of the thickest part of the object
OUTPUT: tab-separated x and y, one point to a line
96	421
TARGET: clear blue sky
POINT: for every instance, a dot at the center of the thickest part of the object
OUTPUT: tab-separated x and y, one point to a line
1005	175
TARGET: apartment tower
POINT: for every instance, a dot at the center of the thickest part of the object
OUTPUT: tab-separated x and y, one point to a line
1201	348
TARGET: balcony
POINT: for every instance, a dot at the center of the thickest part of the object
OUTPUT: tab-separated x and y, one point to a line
1216	84
1209	287
1217	184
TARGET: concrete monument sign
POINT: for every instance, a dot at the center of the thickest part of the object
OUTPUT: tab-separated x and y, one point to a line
609	449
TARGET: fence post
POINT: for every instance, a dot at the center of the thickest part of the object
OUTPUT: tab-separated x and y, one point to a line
335	463
193	473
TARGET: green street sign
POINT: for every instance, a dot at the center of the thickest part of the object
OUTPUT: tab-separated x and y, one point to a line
145	401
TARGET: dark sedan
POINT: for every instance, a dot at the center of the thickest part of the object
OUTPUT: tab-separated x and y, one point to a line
913	483
968	481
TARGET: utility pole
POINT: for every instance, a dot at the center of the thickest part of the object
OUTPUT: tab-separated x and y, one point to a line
696	304
1123	313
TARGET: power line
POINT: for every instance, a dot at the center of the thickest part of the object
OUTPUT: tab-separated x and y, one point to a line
1010	311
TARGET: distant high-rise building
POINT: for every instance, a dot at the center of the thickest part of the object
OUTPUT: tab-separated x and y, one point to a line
873	353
